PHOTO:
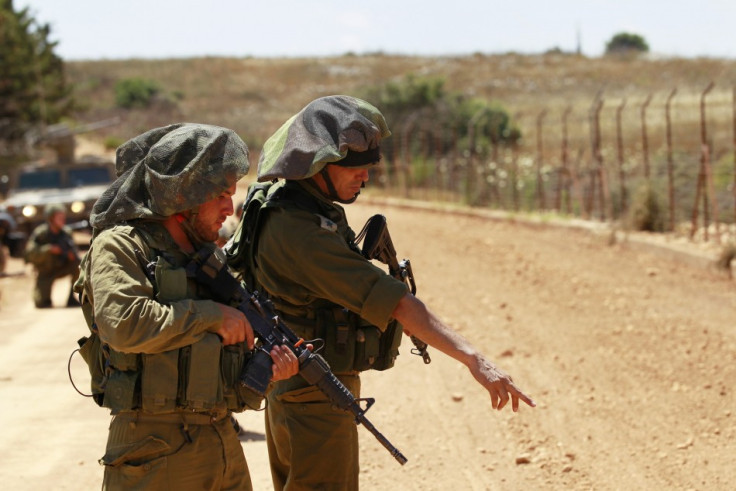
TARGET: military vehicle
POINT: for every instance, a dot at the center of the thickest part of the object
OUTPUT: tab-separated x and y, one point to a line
73	182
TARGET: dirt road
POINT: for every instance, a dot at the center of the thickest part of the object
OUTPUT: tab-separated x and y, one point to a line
629	355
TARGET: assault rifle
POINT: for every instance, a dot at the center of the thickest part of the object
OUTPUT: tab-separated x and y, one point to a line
67	244
377	244
208	268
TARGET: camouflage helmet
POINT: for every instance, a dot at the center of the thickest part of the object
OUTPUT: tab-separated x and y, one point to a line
171	169
52	209
333	129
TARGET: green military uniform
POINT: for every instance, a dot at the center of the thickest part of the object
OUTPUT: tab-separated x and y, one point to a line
320	284
148	445
49	266
155	359
306	264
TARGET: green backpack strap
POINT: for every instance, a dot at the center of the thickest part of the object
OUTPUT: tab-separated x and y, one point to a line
241	247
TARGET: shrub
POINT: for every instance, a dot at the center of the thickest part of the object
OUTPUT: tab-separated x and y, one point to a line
647	212
424	106
135	92
113	142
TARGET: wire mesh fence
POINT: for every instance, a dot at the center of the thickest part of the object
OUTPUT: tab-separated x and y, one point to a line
666	162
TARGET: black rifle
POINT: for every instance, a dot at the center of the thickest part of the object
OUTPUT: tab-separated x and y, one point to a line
66	241
208	268
377	244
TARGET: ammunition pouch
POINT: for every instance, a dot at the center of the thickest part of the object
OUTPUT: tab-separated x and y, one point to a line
351	344
176	379
90	348
201	377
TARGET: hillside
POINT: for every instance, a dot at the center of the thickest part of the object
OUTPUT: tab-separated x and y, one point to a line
254	95
553	99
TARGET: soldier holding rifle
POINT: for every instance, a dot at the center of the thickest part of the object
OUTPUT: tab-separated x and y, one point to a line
54	255
164	357
305	257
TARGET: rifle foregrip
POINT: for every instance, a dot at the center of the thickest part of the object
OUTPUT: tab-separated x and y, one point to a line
257	372
315	370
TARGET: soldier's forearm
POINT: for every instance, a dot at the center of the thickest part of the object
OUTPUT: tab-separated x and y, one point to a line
416	318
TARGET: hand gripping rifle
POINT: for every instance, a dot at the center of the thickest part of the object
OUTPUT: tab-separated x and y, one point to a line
208	268
377	244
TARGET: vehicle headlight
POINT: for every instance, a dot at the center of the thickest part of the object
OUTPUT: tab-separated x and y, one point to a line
77	207
29	211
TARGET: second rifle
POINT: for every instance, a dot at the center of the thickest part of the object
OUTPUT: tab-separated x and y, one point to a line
377	244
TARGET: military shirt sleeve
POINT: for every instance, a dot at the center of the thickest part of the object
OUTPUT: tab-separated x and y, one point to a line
127	315
299	261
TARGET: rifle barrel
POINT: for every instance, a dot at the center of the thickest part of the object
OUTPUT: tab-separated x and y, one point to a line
395	452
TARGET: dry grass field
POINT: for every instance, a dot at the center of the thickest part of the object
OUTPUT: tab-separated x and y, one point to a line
547	96
254	95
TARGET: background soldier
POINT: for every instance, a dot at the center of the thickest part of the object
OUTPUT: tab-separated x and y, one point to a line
322	286
54	255
164	358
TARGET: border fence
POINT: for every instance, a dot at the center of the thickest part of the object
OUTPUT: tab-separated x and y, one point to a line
664	163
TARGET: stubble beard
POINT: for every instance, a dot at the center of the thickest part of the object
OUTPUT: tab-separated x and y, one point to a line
205	231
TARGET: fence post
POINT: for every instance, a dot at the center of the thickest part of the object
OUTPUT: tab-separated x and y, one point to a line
703	170
564	170
474	192
644	139
620	146
515	169
597	174
540	184
670	163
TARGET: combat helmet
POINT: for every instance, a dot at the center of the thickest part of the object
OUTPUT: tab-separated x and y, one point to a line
52	209
170	170
336	129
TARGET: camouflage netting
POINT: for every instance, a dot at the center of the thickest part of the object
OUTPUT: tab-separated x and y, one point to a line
171	169
319	134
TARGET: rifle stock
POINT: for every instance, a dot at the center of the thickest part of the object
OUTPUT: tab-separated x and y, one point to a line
209	269
377	244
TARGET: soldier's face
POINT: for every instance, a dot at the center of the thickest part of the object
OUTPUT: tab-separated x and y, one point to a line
213	213
57	220
348	180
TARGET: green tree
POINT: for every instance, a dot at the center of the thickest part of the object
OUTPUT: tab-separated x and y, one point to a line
625	43
33	88
422	104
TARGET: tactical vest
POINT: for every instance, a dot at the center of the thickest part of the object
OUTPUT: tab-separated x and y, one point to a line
201	377
37	252
350	343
